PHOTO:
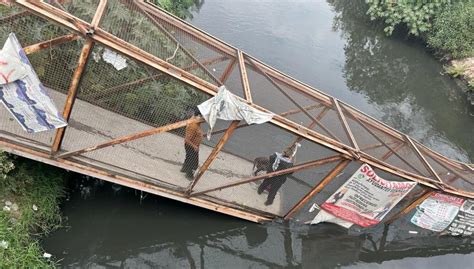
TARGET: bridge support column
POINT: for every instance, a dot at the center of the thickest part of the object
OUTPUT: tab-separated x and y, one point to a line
76	77
72	93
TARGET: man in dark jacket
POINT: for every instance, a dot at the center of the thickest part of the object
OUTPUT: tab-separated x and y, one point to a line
277	162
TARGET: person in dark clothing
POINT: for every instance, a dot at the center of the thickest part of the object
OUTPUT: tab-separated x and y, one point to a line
277	162
192	140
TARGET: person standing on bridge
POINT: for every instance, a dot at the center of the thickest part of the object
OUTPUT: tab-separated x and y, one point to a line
192	140
277	161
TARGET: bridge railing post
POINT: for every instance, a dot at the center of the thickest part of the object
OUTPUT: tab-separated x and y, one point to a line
76	77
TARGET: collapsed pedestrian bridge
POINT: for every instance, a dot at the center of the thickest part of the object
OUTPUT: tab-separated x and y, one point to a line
125	74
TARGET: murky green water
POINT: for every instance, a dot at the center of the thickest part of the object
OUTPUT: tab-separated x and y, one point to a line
330	45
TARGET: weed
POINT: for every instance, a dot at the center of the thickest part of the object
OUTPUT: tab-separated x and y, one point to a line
36	189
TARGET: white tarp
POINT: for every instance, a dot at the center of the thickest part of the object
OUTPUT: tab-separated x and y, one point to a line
437	212
364	199
26	98
226	106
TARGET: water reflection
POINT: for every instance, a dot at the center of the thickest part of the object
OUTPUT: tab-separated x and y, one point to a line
338	50
404	82
112	228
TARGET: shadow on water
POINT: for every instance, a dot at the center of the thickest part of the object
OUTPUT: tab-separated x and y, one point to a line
112	227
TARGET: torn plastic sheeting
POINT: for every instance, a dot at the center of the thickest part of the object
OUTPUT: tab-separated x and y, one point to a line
11	68
114	59
26	98
324	216
226	106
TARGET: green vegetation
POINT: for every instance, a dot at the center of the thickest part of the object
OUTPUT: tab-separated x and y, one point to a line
455	71
29	199
180	8
453	30
6	165
446	25
30	192
416	15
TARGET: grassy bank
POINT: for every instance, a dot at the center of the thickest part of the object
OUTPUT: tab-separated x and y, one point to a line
29	208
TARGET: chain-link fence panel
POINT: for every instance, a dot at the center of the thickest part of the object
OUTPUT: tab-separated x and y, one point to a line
129	22
54	65
247	154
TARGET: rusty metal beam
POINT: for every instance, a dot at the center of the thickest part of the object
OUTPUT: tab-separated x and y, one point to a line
50	43
76	78
293	169
15	16
392	151
321	114
228	70
462	177
296	111
326	180
130	182
203	38
452	179
98	14
435	154
132	137
129	50
72	93
213	155
422	158
170	36
282	114
243	76
278	87
345	125
281	77
141	81
410	207
385	144
378	145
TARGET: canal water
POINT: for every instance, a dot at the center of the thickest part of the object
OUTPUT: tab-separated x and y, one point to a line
332	46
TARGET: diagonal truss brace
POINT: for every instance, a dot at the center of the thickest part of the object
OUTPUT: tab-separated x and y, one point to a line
422	159
244	77
132	137
293	169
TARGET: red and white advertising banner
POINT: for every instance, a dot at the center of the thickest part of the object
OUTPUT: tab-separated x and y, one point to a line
437	212
364	199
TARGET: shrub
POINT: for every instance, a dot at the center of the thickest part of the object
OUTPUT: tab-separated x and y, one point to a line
180	8
6	165
416	15
453	30
36	190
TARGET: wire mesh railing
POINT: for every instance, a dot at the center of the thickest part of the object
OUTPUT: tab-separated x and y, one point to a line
135	120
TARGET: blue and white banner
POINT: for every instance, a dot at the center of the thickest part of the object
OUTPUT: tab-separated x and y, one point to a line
22	92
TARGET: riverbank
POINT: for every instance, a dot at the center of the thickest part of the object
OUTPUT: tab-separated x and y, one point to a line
463	69
445	27
30	195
